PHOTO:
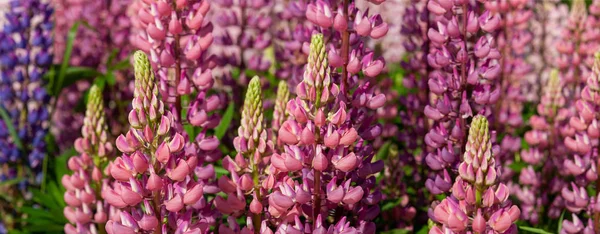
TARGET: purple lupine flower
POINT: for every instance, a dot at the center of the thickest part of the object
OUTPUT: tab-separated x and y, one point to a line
414	25
25	56
249	170
513	43
582	163
326	143
157	177
292	31
243	33
455	73
547	15
176	36
545	149
576	47
86	210
101	40
479	203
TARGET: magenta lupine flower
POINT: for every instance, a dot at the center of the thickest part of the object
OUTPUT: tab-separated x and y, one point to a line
513	42
577	47
105	32
545	147
479	203
243	33
458	68
158	187
249	170
412	151
582	163
292	31
90	47
86	210
547	15
347	49
176	36
326	145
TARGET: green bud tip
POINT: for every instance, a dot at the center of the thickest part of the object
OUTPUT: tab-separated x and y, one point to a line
578	9
479	132
252	114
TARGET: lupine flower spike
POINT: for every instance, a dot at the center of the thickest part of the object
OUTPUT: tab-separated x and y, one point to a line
478	202
87	212
249	168
156	189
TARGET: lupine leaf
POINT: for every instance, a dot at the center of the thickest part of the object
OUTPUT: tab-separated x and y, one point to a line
397	231
72	75
11	128
423	230
225	122
534	230
66	57
560	220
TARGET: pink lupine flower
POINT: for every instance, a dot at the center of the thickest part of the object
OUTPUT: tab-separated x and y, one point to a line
87	210
476	193
156	175
250	170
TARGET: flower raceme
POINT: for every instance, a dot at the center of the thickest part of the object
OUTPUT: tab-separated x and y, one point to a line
87	211
478	202
250	170
324	147
158	186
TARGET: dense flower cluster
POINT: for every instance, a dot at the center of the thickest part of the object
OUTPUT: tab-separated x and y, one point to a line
156	177
305	116
86	210
25	56
478	202
582	164
463	82
176	36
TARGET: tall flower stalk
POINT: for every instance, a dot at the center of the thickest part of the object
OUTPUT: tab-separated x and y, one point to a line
249	169
582	166
176	35
158	188
463	82
479	203
87	212
25	56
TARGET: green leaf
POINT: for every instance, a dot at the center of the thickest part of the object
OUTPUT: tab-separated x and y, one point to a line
517	166
37	213
534	230
44	200
397	231
72	75
560	220
121	65
11	128
225	122
423	230
384	151
220	171
390	204
10	182
66	57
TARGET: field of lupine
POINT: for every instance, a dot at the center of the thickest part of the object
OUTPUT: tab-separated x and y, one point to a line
300	116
